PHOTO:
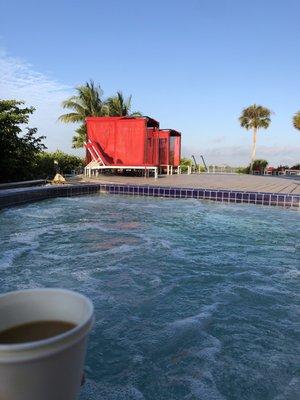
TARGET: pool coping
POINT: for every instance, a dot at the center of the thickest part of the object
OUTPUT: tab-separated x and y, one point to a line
11	197
22	184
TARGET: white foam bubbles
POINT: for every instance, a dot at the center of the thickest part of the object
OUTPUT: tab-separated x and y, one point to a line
101	391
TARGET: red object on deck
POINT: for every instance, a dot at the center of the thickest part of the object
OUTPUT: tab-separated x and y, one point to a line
169	147
131	142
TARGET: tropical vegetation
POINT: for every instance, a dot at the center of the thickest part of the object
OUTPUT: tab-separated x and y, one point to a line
185	163
66	163
258	166
296	120
18	149
253	118
119	106
89	102
22	151
86	103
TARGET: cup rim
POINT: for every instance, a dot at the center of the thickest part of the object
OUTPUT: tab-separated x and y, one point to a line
87	321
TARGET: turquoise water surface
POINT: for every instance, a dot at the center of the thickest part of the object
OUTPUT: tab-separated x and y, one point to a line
193	300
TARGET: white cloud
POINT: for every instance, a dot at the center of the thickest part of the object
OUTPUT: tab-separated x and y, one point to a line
19	80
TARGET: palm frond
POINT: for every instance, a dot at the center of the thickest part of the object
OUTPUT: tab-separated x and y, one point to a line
77	105
87	102
80	137
70	117
255	116
296	120
136	114
120	106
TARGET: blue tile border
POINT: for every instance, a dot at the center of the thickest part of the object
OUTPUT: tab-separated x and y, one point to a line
28	195
224	196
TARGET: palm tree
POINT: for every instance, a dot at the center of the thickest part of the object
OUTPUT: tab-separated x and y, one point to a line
296	120
86	103
119	106
255	117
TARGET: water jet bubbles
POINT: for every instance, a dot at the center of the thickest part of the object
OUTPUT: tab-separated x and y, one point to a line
193	300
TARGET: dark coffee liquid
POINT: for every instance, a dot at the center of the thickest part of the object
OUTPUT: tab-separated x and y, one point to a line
34	331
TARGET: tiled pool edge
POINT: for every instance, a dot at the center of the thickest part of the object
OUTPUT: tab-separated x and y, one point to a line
28	195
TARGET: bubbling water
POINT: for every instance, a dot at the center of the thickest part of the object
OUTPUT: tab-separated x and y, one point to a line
193	300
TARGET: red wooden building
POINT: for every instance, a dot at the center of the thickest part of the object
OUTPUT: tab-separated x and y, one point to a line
132	143
169	147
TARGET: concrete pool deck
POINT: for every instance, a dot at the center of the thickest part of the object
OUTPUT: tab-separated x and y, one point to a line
245	183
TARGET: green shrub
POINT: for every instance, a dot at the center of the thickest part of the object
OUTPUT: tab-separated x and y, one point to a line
296	166
45	167
242	170
185	163
19	149
260	165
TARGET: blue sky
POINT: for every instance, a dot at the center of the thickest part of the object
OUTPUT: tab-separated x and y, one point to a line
193	65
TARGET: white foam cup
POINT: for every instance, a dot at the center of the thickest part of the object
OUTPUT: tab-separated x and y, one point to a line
49	369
